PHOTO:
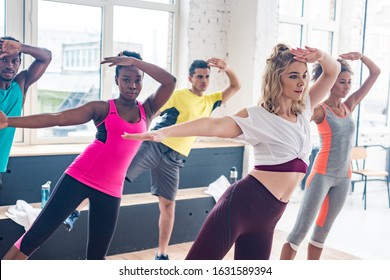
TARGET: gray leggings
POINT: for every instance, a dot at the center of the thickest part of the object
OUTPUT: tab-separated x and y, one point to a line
324	195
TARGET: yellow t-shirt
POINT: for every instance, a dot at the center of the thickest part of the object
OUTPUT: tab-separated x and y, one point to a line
185	106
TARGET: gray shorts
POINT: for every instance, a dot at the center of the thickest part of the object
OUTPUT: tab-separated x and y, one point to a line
164	164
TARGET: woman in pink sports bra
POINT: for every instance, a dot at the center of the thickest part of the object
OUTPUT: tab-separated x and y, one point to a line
278	130
92	175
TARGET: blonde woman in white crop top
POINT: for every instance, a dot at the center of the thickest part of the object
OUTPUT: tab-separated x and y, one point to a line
278	129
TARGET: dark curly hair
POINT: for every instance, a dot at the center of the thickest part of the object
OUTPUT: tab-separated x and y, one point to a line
129	54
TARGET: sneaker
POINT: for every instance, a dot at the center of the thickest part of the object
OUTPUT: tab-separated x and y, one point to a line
69	222
162	257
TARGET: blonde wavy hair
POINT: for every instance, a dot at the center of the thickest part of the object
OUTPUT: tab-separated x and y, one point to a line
272	88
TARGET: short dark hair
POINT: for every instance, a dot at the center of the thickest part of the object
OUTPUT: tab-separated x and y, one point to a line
197	64
11	39
126	53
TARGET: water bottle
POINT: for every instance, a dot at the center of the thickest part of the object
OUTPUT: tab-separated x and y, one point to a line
233	175
45	193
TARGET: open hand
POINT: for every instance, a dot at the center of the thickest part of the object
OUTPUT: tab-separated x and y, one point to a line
154	136
219	63
351	56
9	47
309	55
119	60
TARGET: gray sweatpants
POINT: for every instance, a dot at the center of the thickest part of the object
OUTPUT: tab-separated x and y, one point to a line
164	164
324	195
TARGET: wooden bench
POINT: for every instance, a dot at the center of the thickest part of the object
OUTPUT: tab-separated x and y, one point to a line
137	227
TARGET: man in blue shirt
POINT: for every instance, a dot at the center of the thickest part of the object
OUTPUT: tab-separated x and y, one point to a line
14	86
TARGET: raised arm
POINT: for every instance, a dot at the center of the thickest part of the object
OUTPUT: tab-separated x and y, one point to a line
331	69
354	99
234	83
75	116
166	79
42	59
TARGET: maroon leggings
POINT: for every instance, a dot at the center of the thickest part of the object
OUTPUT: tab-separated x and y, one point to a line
246	215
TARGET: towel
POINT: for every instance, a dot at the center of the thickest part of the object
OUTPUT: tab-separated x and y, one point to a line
23	213
218	187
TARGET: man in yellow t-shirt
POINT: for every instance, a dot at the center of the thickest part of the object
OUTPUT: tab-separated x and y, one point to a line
166	158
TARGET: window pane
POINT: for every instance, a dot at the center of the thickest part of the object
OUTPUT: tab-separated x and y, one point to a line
322	9
290	34
375	106
2	17
147	32
73	76
321	39
290	7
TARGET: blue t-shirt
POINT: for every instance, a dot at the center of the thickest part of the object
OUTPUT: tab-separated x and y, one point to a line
11	103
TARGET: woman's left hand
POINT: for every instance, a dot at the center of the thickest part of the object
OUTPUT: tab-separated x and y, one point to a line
146	136
351	56
118	60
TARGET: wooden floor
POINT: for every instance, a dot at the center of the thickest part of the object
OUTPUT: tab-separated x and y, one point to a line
179	251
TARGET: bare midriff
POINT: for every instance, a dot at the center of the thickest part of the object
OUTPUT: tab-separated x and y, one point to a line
280	184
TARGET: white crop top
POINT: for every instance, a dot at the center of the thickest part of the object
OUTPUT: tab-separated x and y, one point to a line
274	139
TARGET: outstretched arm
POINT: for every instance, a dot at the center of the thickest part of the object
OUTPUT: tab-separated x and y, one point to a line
74	116
42	59
166	79
331	69
224	127
354	99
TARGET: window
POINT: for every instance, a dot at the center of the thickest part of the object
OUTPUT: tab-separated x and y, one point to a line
2	18
311	23
323	38
65	85
291	8
290	34
152	41
374	111
80	34
321	10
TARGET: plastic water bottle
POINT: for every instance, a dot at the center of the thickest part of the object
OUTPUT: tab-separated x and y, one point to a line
45	193
233	175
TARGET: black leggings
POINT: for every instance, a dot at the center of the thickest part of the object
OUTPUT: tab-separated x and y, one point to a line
66	196
246	215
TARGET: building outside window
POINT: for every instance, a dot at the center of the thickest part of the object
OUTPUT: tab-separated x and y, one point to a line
80	34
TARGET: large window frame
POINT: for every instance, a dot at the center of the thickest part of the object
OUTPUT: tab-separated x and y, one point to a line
370	130
311	25
24	26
